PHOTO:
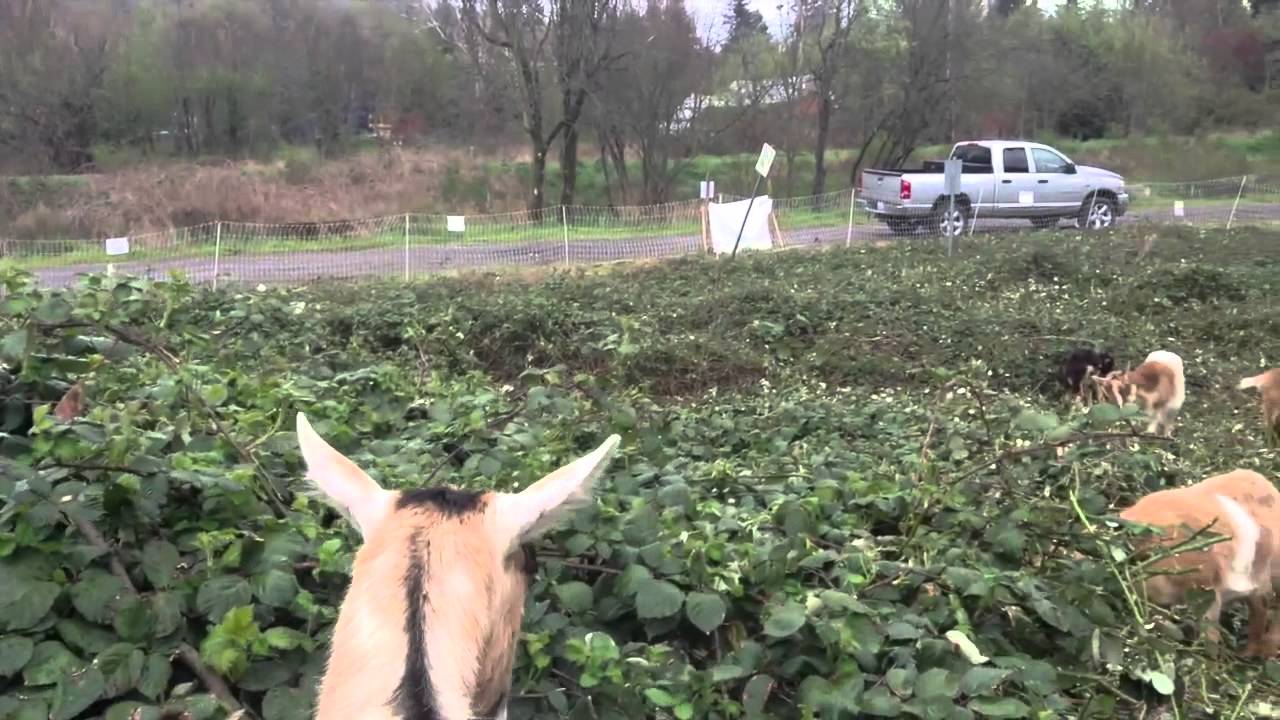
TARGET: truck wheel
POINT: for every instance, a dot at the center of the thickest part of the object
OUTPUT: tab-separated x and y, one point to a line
1044	223
901	226
956	224
1098	213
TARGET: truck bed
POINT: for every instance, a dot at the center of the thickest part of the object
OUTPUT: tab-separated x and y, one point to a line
934	167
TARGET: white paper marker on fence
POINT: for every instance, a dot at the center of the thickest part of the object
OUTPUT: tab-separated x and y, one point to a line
455	223
725	219
765	162
117	246
1179	209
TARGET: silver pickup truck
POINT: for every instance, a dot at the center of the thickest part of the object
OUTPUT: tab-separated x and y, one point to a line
999	179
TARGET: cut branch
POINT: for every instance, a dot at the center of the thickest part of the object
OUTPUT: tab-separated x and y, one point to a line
190	657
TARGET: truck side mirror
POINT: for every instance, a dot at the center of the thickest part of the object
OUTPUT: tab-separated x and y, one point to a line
1071	168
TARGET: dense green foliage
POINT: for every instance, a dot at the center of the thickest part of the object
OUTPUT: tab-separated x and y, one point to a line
839	488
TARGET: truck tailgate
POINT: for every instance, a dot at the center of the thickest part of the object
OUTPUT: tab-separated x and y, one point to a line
880	185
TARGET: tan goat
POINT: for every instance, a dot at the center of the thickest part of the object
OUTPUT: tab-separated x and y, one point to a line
429	625
1268	383
1241	504
1158	385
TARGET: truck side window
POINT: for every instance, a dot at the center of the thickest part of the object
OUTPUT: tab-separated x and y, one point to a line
1048	162
1015	160
976	158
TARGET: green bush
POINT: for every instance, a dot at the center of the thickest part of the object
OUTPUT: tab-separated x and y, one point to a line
839	493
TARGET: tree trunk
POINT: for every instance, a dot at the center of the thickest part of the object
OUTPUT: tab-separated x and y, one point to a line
568	164
618	152
188	126
233	121
820	147
572	102
210	140
604	169
539	172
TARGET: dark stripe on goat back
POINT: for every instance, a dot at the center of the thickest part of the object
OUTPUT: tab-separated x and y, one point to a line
414	698
447	501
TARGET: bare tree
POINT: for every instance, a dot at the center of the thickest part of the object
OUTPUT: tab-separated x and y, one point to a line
795	86
910	101
832	24
656	94
584	31
576	35
52	65
663	96
521	29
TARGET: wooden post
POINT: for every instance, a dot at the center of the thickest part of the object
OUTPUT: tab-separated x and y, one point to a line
777	231
704	217
217	251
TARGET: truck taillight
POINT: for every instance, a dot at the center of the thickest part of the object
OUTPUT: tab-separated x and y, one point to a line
904	191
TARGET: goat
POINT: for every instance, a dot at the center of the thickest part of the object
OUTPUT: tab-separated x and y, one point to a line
1078	369
1241	504
1158	385
1269	385
428	627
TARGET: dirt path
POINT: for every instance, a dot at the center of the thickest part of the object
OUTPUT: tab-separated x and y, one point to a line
298	267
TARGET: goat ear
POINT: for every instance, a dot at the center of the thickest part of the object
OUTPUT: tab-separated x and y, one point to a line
524	516
71	406
342	481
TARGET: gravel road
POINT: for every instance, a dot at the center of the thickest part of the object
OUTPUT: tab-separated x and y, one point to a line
293	268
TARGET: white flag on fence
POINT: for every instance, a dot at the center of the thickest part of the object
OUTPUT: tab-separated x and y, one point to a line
725	220
117	246
456	223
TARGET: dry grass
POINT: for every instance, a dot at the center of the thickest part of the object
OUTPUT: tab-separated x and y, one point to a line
160	197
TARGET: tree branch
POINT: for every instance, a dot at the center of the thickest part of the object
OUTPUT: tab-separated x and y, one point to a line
1082	438
190	657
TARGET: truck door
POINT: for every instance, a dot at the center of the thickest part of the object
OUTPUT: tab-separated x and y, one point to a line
1061	190
1016	190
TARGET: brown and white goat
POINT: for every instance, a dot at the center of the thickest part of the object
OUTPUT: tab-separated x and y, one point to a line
1241	504
1268	383
1158	386
429	625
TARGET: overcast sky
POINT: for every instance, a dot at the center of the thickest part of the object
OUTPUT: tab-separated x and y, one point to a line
709	14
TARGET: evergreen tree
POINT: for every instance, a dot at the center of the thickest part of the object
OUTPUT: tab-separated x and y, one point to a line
744	23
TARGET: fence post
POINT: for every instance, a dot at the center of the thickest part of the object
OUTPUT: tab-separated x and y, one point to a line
1236	204
406	247
974	222
564	223
217	250
853	200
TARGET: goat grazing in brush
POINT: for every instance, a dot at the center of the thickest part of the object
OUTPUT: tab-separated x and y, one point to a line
1080	367
1158	385
1240	504
1268	383
429	625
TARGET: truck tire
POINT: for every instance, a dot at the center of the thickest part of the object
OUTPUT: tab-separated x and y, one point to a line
1097	213
1044	223
956	225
